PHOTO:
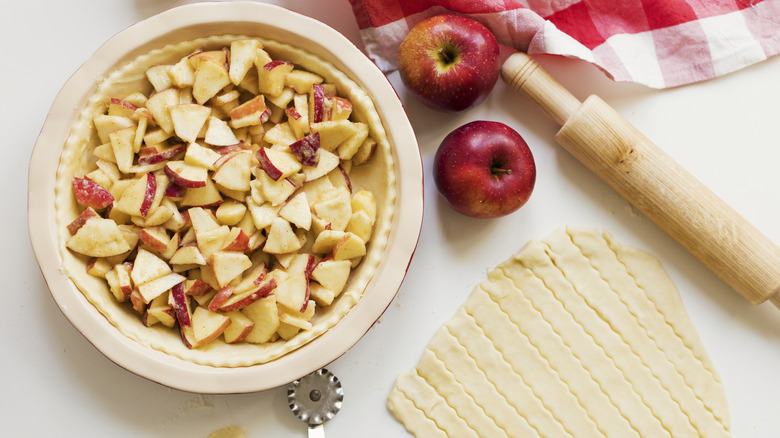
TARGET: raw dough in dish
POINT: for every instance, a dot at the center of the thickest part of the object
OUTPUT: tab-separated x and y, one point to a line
574	336
377	176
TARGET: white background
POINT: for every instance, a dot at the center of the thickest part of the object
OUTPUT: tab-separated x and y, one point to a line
725	131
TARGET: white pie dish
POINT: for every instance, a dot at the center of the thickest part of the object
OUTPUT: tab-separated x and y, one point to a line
187	23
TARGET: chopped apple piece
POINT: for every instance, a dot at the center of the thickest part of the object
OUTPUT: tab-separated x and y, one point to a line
98	237
335	208
182	74
271	76
188	120
228	265
91	194
212	240
239	328
98	267
361	225
180	303
364	200
160	310
281	134
159	105
305	150
207	196
327	240
122	147
281	238
316	104
296	210
218	56
293	292
207	325
158	77
351	145
137	199
242	58
332	274
236	240
277	163
275	192
105	125
148	267
188	255
156	237
81	219
302	80
264	313
219	133
153	155
156	287
349	247
326	162
250	113
262	214
322	296
186	175
231	212
334	132
235	172
210	77
298	115
340	108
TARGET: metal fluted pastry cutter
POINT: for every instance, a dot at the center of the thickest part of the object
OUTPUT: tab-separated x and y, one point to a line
315	399
654	183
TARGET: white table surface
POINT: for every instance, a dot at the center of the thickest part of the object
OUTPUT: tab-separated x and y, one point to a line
725	131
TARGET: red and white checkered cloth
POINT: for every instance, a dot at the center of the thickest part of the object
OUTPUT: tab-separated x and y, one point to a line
659	43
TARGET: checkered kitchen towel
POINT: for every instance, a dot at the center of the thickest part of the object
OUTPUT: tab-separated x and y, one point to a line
659	43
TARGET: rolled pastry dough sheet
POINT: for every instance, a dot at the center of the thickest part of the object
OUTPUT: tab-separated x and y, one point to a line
576	335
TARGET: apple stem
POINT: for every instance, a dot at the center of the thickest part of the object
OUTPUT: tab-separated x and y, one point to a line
496	171
447	55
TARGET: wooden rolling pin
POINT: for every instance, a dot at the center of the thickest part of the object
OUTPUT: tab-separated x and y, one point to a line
655	184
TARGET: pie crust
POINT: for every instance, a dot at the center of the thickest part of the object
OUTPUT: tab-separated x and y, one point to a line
376	176
575	335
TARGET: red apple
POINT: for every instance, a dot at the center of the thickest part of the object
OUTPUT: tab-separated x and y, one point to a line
484	169
449	62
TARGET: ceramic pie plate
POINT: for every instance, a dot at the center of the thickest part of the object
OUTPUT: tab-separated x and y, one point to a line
188	23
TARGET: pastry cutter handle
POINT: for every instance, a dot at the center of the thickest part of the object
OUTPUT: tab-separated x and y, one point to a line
654	183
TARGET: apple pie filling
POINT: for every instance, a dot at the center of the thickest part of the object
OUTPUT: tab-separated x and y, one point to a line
225	199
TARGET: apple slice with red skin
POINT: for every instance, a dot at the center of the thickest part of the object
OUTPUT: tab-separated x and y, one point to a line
237	240
239	301
271	77
220	298
250	113
120	107
239	328
196	287
81	219
155	155
316	104
180	304
175	191
207	326
185	175
91	194
138	198
277	164
305	149
450	62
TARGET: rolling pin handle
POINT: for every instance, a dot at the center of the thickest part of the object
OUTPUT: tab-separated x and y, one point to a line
523	74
